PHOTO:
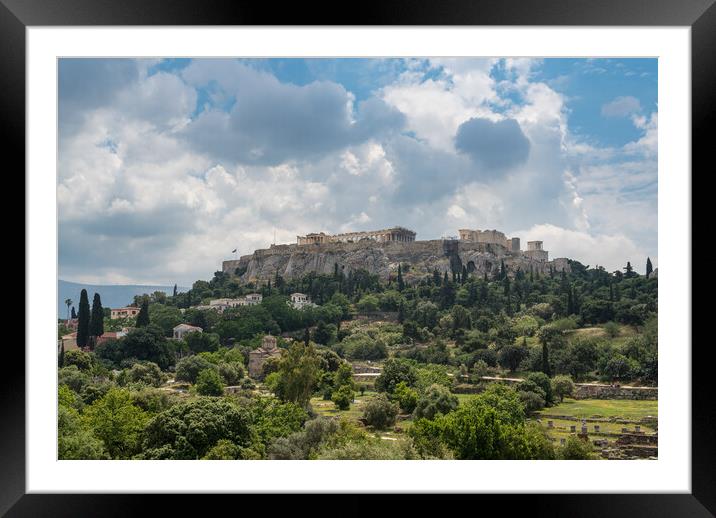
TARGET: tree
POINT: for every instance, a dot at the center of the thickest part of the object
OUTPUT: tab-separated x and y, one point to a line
167	317
629	270
96	326
298	373
83	360
83	320
231	372
562	386
620	367
394	371
117	422
73	314
436	400
75	440
174	292
342	397
401	283
143	316
188	430
477	430
542	381
68	303
209	383
223	450
379	412
548	335
188	368
576	449
406	397
368	304
147	343
649	267
199	342
510	356
148	373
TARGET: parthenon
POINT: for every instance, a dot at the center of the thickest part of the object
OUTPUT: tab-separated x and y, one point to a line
394	234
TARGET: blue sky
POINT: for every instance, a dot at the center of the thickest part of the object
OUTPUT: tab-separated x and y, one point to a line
170	164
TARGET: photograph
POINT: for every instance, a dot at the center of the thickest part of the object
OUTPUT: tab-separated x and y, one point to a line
357	258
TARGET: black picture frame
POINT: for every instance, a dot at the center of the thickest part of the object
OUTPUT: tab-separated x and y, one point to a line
700	15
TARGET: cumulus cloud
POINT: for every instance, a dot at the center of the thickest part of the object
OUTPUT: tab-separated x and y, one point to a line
496	145
162	172
621	107
611	251
271	122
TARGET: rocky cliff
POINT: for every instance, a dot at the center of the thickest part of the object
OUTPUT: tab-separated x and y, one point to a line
421	258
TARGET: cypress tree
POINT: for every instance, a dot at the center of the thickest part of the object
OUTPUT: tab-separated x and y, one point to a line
629	270
96	327
306	337
649	267
74	313
83	320
464	275
401	284
570	302
61	360
445	279
545	359
174	293
436	277
143	316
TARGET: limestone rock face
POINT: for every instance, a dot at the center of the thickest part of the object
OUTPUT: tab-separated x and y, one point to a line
382	259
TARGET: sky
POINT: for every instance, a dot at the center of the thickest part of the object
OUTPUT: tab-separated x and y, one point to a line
166	166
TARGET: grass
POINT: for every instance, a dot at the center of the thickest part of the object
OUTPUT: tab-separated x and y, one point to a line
328	408
598	408
608	408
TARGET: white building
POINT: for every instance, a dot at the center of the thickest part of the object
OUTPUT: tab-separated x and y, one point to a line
221	305
300	300
253	298
183	329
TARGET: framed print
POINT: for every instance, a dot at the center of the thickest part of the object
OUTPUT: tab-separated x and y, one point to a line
421	252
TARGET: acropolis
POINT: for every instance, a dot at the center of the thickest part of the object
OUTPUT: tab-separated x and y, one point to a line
481	252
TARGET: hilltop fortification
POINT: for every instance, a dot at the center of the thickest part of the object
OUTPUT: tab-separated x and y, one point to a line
380	252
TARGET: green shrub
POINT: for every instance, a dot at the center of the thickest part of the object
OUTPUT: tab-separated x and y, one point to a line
436	400
189	368
380	413
209	383
342	397
406	397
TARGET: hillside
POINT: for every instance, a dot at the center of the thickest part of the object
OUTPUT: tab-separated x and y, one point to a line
112	295
420	257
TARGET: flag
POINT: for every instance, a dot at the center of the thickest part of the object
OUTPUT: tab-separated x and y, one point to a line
234	250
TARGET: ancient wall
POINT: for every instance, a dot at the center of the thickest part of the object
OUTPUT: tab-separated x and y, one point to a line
595	391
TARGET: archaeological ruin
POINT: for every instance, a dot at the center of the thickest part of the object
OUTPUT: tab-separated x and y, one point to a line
395	234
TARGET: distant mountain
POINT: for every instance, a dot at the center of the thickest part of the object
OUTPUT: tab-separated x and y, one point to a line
112	295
